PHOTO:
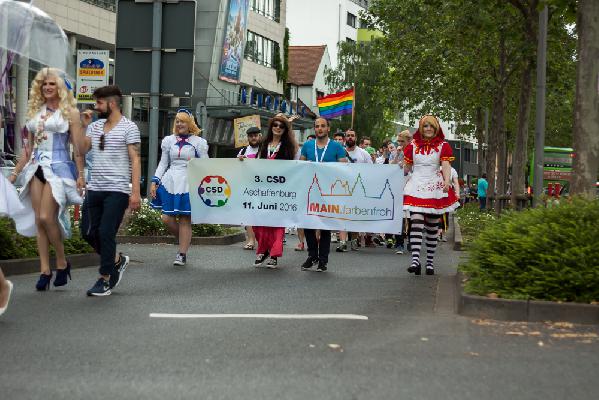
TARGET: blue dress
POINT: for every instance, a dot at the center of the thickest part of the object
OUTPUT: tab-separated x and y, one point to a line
172	193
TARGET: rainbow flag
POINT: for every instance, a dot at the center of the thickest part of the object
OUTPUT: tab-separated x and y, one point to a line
336	104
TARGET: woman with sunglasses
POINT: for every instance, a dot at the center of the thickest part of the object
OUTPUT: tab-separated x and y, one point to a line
279	144
428	193
51	180
169	189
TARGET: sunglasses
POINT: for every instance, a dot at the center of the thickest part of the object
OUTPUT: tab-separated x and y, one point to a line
102	141
278	125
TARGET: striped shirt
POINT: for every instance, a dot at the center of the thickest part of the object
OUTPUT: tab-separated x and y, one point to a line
111	167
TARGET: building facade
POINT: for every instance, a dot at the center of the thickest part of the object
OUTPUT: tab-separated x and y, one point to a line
307	67
331	22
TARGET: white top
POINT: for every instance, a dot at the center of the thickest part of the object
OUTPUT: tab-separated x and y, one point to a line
111	167
177	151
250	152
360	155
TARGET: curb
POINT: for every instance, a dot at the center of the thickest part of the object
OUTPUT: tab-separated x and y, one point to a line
523	310
210	240
457	235
32	265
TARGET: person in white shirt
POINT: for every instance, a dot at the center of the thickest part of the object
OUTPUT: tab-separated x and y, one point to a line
355	154
250	151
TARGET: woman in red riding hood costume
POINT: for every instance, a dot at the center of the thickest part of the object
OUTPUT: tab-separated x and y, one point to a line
428	193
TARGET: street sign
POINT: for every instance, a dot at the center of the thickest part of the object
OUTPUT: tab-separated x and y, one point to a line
133	56
92	73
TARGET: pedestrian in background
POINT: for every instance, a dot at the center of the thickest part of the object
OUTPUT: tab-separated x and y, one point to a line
279	144
482	187
51	181
115	143
250	151
169	190
428	193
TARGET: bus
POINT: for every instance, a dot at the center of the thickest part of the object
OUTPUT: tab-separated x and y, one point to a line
557	167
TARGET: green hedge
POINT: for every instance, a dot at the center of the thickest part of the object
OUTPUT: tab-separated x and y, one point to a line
147	222
542	253
13	245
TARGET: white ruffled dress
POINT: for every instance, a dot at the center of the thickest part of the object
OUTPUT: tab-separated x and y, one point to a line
51	153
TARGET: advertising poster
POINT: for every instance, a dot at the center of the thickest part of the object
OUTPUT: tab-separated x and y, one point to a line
234	43
92	73
241	125
333	196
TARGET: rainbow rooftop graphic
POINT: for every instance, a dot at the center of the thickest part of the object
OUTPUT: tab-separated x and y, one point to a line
350	202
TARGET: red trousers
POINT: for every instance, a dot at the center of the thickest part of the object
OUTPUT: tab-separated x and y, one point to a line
269	239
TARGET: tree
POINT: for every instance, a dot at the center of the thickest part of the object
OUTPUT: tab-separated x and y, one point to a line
364	66
586	115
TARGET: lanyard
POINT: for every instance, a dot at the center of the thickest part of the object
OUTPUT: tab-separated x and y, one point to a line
274	153
323	151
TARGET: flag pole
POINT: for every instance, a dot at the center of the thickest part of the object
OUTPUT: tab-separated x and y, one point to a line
353	108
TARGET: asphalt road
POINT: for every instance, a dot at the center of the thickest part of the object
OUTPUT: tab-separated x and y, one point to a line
64	345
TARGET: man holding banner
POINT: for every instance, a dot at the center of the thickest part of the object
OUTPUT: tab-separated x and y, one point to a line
322	149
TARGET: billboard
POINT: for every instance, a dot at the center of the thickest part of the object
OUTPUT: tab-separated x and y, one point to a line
92	73
234	42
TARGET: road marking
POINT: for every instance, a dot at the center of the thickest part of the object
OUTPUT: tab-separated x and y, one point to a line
264	316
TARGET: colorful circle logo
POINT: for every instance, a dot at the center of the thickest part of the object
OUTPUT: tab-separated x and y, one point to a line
214	191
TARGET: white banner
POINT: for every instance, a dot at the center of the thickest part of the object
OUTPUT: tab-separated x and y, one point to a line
92	73
333	196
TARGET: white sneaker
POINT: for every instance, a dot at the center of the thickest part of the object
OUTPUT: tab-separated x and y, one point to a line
180	260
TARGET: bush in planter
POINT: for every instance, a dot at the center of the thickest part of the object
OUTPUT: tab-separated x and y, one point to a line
472	221
543	254
147	222
13	245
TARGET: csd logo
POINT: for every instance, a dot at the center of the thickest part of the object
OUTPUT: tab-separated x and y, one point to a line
214	191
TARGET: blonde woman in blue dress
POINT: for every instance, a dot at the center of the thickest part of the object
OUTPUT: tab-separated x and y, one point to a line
51	180
169	189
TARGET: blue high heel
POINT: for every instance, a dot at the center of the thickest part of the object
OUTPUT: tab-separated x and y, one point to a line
44	282
61	275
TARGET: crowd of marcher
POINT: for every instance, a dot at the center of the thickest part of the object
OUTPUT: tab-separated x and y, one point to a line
53	178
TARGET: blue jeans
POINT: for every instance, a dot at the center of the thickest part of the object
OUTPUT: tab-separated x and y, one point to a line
483	203
101	216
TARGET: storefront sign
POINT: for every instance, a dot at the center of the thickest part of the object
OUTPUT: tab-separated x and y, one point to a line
234	43
92	73
334	196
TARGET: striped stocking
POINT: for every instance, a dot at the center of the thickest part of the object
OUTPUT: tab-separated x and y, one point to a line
416	231
431	223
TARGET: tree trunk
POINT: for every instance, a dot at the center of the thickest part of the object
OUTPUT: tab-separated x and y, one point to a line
497	132
520	155
586	111
480	139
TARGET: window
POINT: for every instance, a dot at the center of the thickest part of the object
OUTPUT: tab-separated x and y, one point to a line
351	20
271	9
260	50
467	155
350	40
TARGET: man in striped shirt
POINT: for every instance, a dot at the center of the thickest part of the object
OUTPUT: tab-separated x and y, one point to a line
114	142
